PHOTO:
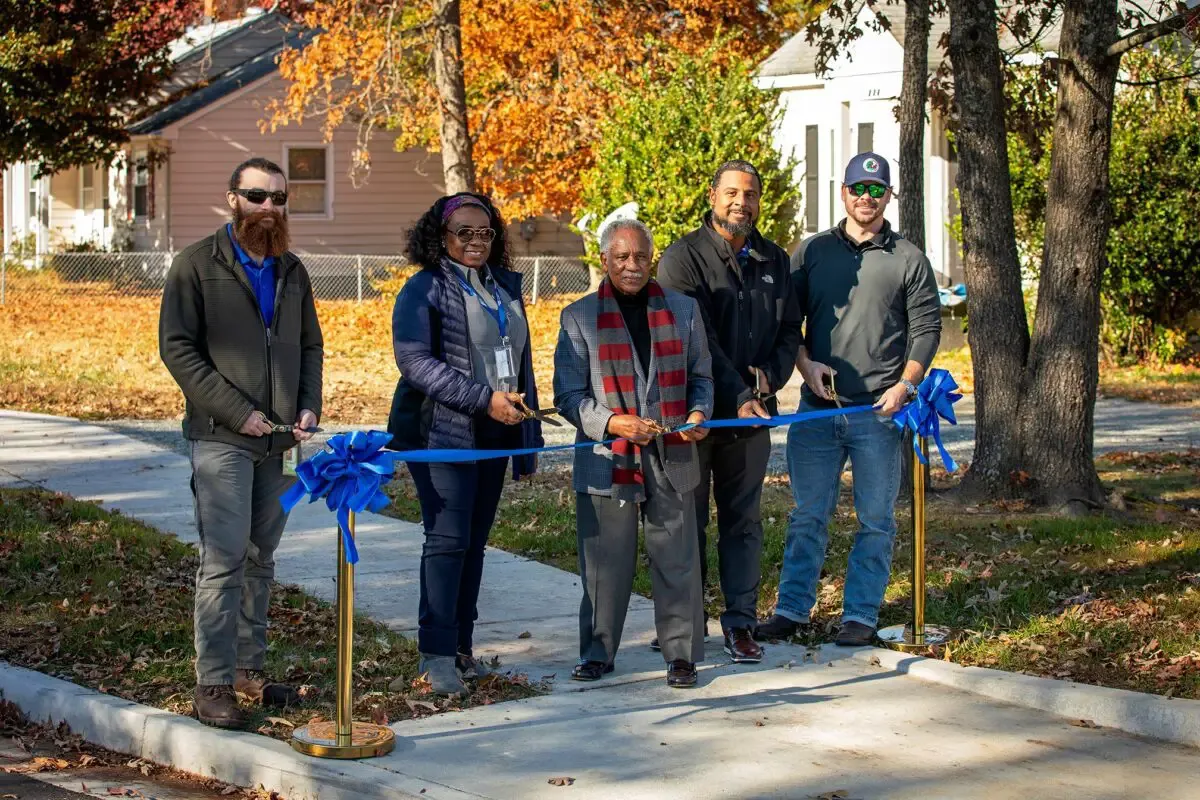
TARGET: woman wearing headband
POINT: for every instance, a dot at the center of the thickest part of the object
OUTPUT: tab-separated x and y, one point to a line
462	345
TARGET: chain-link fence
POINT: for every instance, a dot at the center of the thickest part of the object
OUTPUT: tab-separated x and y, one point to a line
23	278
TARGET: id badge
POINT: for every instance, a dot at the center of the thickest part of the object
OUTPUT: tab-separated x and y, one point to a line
291	460
505	371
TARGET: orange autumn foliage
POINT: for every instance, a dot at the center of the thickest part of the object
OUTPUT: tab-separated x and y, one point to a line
539	77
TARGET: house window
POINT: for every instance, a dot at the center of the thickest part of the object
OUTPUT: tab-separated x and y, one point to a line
866	136
141	189
812	182
33	199
308	181
87	188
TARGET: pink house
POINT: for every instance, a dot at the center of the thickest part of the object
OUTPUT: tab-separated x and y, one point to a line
167	188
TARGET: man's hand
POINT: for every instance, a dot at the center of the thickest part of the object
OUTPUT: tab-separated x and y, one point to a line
631	427
814	373
305	419
892	401
256	425
503	408
695	434
753	408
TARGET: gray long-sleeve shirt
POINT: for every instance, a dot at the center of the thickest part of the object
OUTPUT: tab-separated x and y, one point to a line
868	308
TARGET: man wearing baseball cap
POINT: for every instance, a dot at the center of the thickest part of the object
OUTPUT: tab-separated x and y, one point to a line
872	326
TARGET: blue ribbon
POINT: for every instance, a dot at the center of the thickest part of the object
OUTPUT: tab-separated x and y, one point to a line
350	476
935	400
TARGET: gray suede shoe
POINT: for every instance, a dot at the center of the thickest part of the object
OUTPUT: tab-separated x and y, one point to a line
473	669
442	674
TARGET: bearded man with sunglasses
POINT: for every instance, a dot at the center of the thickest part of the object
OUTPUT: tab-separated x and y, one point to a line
238	331
872	327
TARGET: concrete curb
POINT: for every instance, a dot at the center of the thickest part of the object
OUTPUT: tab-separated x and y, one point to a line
1170	720
244	759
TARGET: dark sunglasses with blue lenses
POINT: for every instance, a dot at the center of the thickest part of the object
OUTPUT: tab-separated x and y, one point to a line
259	196
876	190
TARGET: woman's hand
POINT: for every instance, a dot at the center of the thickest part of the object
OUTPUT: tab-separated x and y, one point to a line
503	408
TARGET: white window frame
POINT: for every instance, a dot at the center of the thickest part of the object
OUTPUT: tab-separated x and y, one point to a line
285	163
86	168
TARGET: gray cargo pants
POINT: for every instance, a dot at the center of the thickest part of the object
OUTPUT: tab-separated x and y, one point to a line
240	522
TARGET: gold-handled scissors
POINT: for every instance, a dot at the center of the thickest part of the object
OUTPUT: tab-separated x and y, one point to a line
543	415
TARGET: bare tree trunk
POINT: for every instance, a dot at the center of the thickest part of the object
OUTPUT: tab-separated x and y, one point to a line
458	165
913	95
1063	366
999	334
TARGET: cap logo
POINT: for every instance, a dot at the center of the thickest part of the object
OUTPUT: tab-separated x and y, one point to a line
870	165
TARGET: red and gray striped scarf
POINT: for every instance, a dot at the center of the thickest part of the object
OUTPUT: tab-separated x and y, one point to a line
620	392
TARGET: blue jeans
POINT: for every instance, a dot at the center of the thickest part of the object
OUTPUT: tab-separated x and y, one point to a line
817	453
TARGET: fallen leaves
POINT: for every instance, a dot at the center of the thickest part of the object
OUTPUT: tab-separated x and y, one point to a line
561	781
38	764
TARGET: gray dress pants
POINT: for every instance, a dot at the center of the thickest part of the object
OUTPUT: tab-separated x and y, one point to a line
240	522
607	532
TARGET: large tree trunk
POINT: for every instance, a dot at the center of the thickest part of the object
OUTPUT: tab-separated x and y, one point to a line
998	333
458	165
1059	389
913	95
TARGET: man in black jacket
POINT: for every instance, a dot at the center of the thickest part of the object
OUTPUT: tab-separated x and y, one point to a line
742	282
238	331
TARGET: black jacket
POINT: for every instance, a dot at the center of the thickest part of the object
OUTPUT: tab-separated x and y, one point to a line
752	316
212	339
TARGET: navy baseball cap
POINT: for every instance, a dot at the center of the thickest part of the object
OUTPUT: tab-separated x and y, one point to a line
868	168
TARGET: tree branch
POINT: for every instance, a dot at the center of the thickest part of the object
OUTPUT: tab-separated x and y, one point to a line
1158	81
1151	32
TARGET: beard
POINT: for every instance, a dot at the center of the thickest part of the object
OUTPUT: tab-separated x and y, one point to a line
865	214
264	232
743	228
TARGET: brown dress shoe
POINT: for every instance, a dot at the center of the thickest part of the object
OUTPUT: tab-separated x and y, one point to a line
217	706
254	685
741	647
681	674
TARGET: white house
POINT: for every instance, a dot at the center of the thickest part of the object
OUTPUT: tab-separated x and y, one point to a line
829	118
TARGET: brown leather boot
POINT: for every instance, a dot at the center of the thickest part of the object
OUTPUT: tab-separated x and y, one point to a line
217	706
254	685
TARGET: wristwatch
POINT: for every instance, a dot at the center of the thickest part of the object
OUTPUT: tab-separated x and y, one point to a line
910	388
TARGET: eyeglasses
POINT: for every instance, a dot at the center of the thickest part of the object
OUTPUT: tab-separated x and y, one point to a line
876	190
468	235
259	196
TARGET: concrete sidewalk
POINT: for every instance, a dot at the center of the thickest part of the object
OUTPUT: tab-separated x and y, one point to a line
799	725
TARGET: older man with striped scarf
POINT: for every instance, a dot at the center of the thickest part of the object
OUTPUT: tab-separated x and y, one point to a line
632	366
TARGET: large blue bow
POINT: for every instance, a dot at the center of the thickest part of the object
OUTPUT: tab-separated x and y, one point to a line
350	476
935	399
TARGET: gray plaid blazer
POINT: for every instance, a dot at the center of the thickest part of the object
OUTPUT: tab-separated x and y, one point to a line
579	390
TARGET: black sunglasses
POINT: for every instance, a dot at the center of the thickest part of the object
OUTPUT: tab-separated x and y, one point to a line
259	196
876	190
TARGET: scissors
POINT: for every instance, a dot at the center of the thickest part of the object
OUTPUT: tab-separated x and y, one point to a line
292	428
544	415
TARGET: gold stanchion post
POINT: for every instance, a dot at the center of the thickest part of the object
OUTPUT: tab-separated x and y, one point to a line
916	635
344	738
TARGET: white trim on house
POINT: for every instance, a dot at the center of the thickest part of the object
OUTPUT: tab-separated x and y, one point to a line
328	148
171	131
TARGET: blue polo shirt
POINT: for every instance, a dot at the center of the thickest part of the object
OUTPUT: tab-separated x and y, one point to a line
262	278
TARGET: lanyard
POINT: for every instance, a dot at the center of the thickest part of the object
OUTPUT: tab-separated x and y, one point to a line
500	313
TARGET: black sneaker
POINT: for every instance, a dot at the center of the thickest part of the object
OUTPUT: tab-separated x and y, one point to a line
855	634
776	628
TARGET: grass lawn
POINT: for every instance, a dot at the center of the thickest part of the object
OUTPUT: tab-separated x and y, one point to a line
75	349
1111	600
106	602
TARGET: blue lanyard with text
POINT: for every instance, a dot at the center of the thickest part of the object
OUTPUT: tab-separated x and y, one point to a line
500	314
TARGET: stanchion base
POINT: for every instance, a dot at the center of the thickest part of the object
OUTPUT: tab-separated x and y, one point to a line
900	637
320	739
